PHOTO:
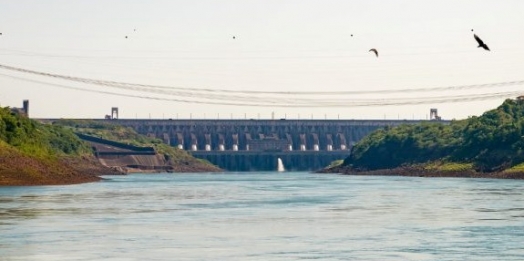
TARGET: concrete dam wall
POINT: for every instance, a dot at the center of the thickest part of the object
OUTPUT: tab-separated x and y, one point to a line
249	145
223	135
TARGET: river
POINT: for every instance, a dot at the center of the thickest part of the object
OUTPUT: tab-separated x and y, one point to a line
264	216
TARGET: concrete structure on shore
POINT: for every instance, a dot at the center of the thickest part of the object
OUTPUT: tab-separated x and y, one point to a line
244	145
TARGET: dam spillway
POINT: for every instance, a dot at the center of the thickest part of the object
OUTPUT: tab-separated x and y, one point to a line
248	145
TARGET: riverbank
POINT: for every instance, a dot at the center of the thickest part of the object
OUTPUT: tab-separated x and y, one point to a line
23	169
20	169
32	153
421	171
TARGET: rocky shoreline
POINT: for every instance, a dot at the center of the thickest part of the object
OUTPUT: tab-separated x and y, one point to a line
17	169
22	170
28	171
416	171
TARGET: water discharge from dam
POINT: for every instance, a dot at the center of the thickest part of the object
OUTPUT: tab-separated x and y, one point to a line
280	167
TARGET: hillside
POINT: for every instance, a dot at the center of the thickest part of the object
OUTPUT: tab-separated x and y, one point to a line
176	160
491	143
35	154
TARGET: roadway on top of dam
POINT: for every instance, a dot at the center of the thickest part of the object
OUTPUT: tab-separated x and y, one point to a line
317	122
289	120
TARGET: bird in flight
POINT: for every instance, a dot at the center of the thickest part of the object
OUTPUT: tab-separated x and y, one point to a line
374	50
481	43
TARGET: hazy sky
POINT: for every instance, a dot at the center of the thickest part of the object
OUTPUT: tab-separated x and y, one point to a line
280	46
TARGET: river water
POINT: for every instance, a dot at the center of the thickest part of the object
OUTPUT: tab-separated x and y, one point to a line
265	216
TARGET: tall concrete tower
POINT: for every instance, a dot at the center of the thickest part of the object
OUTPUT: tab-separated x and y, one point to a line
26	108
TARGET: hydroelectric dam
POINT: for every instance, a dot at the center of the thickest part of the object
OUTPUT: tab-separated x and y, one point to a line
249	144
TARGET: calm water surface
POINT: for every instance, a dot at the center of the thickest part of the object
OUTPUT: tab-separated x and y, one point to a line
264	216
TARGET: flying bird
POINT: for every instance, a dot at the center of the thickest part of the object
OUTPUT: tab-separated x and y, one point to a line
374	50
480	42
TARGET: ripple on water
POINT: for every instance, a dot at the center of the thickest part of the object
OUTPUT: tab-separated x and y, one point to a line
264	216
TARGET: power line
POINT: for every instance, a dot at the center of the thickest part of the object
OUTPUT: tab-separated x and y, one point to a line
280	93
450	99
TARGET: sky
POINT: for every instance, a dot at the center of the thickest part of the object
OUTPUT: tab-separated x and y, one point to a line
260	59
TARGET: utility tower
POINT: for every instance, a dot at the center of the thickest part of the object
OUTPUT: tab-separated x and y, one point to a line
114	113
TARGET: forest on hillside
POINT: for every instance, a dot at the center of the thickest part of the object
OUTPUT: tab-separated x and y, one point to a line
40	140
491	142
32	153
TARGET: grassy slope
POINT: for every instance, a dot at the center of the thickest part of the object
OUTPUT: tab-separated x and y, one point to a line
20	168
180	159
35	154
